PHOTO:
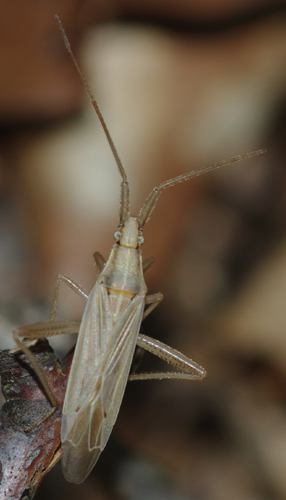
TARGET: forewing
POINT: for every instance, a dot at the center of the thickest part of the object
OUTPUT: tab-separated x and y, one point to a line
97	381
96	325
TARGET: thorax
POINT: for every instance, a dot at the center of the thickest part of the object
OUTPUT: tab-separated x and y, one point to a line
123	277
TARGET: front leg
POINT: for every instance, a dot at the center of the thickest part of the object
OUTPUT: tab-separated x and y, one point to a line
147	263
73	285
154	300
99	262
190	369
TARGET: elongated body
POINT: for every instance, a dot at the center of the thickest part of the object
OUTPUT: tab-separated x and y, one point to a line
109	330
102	359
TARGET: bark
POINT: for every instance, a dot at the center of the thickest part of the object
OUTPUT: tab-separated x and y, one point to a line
29	445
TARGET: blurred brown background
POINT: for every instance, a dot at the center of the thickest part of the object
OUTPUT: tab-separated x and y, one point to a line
181	85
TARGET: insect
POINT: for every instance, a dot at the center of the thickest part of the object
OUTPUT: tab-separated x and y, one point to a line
109	330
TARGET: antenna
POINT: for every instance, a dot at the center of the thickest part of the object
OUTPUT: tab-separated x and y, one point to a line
125	197
150	202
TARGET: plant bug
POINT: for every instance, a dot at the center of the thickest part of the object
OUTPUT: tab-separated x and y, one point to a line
109	330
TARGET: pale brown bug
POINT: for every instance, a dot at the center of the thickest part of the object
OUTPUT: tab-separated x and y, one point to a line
109	330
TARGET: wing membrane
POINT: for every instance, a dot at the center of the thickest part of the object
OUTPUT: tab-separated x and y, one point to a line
97	381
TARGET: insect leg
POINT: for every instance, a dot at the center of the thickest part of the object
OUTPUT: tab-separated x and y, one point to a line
99	261
154	300
45	329
39	373
147	263
48	329
190	369
73	285
38	331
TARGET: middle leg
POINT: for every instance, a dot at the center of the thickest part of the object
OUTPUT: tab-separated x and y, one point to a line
38	331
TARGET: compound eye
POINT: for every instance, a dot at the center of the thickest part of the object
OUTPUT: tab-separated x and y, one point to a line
117	235
140	240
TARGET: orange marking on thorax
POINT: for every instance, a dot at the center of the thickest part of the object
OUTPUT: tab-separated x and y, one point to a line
120	292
